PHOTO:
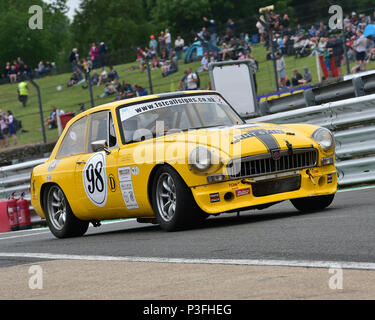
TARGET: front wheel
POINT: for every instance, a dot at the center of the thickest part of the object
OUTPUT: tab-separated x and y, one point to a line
173	202
311	204
59	216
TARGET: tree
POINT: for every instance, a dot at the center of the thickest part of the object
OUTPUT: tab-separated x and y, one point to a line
18	40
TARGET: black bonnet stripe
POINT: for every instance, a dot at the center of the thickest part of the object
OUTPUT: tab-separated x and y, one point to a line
265	136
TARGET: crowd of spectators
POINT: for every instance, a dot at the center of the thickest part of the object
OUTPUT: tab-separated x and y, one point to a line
18	70
161	54
319	39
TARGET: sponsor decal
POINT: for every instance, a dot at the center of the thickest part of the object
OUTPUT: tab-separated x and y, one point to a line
94	179
214	197
243	192
135	170
329	178
131	111
126	187
53	165
263	135
112	183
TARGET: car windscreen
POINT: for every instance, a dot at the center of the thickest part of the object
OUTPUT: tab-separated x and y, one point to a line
160	117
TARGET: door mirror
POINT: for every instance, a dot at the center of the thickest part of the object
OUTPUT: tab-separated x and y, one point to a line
100	145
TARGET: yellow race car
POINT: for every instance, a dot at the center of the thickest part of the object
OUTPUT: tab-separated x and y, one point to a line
174	159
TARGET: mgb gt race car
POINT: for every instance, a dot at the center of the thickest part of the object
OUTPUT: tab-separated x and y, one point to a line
174	159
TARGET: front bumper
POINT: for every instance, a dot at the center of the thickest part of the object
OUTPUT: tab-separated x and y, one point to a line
236	195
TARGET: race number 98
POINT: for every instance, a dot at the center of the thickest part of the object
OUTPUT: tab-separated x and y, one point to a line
94	179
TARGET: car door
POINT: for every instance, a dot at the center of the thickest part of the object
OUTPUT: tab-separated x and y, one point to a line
96	171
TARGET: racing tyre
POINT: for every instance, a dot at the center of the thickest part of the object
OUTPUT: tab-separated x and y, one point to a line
173	203
59	216
311	204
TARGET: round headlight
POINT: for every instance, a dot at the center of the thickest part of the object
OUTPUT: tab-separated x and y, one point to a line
201	159
324	138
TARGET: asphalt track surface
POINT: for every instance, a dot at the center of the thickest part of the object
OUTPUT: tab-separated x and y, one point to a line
343	233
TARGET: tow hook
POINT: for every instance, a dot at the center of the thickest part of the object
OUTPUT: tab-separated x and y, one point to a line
311	176
247	181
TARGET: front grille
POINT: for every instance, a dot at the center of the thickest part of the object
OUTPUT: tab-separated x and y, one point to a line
265	164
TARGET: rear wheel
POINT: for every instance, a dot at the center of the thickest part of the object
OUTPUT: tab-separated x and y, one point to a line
59	216
173	202
311	204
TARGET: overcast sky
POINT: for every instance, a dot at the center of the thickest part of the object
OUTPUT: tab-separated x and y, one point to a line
72	4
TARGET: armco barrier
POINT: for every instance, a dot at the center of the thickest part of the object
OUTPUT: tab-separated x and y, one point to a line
16	178
352	122
336	90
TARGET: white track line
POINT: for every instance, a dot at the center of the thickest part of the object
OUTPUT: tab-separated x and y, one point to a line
23	235
247	262
17	234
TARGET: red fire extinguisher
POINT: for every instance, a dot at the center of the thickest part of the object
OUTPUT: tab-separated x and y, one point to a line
23	213
12	212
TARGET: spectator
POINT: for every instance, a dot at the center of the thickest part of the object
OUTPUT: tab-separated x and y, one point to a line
204	63
7	70
179	47
360	46
21	66
261	28
51	121
191	80
81	107
312	31
280	64
230	26
4	129
336	45
112	74
307	76
11	127
103	49
171	66
48	68
204	35
73	58
108	90
182	83
94	53
103	77
23	92
162	44
140	91
40	71
211	28
297	78
12	74
168	41
128	90
153	45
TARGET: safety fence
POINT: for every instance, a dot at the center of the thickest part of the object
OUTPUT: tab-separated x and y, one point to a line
352	122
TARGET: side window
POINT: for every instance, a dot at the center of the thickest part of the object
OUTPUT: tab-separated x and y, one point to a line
74	140
102	129
98	128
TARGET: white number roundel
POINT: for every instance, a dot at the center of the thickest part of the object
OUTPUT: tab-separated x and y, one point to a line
95	179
